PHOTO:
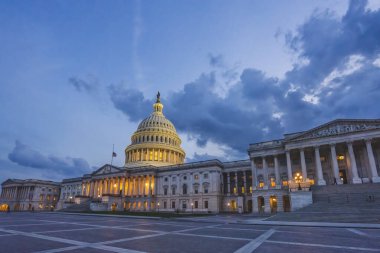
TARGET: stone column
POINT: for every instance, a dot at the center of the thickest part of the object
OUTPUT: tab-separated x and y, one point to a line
97	188
335	166
277	171
150	186
132	182
139	183
289	166
149	192
82	189
303	165
354	169
236	183
228	184
372	164
318	165
123	187
265	171
254	174
245	182
91	189
144	185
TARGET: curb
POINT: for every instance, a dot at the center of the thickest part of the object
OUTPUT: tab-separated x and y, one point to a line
108	215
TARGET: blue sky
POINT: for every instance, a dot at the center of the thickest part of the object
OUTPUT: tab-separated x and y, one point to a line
76	77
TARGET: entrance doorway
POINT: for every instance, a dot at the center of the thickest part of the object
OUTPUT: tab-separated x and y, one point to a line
113	207
343	176
273	204
261	204
4	208
249	206
233	205
286	203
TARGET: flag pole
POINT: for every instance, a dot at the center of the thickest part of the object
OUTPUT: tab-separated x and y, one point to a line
113	151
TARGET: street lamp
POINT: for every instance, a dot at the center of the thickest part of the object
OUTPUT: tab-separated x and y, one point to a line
228	204
192	206
158	204
298	179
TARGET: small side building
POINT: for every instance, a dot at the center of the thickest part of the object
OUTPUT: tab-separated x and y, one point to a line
29	195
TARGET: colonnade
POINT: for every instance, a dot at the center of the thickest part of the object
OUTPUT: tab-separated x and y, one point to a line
318	165
124	186
15	192
154	154
246	184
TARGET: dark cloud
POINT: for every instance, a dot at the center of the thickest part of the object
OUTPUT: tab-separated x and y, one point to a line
216	60
84	85
204	157
130	101
335	78
24	155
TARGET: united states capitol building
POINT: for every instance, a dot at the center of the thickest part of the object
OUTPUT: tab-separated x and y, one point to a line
278	175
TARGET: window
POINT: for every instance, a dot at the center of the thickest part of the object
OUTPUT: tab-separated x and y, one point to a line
272	182
173	191
206	204
165	191
250	189
184	189
284	182
174	178
196	204
173	204
196	190
243	189
185	178
164	204
205	176
166	179
205	189
196	176
261	184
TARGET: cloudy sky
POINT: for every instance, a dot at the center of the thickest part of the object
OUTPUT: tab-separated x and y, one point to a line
76	77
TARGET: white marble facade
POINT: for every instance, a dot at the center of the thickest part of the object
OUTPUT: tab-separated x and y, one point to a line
339	152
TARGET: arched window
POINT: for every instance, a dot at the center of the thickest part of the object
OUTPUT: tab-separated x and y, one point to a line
161	139
184	189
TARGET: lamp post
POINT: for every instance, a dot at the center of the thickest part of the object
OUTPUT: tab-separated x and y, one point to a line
298	179
228	204
192	206
158	205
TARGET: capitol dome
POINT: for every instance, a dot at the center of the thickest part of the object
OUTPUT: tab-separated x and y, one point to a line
155	141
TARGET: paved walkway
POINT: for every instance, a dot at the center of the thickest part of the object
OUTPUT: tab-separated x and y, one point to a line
48	233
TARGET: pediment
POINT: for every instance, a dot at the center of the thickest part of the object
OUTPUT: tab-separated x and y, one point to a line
106	169
9	181
338	127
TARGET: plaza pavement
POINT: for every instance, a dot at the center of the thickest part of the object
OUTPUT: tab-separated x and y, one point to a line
57	232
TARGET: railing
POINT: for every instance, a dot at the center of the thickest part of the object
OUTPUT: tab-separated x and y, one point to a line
301	186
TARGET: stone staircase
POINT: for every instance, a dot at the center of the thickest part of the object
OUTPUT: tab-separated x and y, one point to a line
340	203
82	207
363	198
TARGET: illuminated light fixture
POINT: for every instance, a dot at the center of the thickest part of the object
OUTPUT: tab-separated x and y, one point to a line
115	185
340	157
